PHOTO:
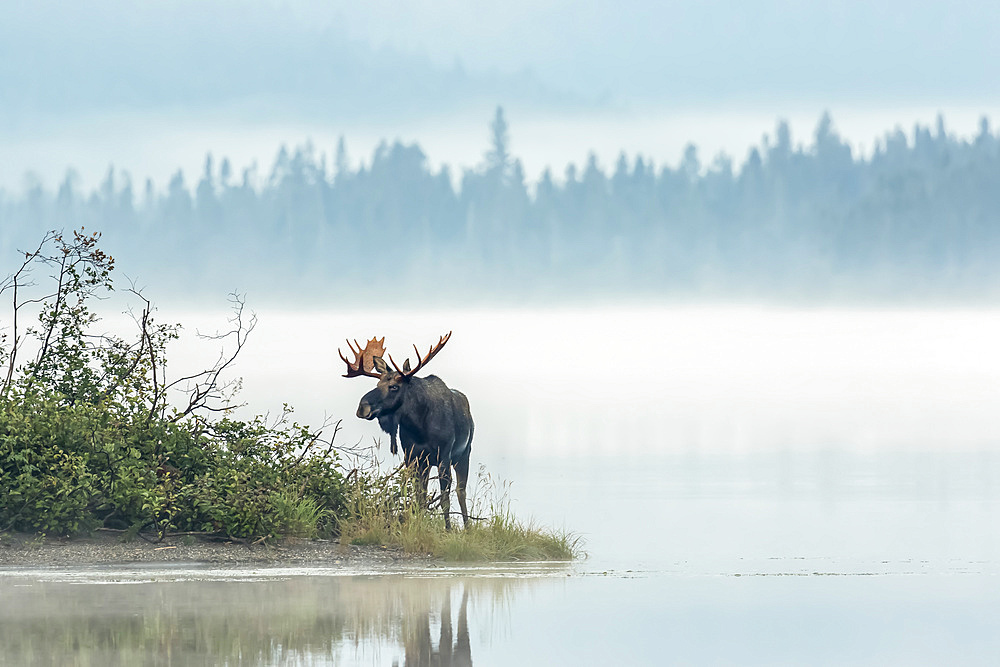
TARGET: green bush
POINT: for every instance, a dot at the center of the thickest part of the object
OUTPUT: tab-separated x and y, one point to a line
89	439
45	479
67	469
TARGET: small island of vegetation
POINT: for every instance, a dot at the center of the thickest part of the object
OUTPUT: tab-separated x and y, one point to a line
95	435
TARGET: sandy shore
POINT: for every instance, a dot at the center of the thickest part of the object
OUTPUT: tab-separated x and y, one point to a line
21	550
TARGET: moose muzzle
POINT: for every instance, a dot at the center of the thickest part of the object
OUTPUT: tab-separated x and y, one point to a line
365	411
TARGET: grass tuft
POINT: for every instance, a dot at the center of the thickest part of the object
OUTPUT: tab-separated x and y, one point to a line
296	516
384	512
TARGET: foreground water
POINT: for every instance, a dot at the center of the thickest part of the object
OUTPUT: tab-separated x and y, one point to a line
755	486
561	616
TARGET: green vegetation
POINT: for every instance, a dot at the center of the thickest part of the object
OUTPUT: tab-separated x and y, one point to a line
383	512
93	435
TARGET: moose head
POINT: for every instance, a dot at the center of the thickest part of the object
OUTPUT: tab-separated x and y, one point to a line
387	396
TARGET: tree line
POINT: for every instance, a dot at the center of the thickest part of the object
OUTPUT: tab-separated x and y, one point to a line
918	216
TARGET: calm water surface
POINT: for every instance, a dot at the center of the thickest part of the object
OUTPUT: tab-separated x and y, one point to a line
755	486
457	617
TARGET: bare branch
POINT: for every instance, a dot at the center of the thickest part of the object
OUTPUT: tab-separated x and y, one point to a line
15	282
206	384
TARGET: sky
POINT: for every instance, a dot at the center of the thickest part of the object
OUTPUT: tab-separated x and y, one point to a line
708	52
151	87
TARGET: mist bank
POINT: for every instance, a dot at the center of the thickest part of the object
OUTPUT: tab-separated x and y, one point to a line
914	220
317	60
255	60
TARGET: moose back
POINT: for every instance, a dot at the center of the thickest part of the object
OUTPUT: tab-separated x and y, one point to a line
434	422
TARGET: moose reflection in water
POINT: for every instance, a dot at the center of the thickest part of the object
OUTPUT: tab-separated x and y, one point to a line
315	620
450	652
434	422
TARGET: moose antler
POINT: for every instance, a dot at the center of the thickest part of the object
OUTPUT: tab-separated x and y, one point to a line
364	363
406	371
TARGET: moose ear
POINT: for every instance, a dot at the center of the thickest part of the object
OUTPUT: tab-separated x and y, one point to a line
406	366
380	366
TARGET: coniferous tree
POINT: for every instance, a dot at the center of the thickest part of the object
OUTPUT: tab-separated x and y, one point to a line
919	214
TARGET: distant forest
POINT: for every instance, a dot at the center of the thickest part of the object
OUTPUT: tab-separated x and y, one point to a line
917	218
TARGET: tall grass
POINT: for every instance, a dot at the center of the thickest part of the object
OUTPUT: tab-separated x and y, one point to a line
383	511
296	516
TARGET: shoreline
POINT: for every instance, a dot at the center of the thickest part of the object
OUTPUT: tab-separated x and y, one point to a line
22	550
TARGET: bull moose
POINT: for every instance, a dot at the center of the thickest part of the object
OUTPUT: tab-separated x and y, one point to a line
434	422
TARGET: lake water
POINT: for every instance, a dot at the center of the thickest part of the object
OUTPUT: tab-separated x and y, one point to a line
755	486
482	617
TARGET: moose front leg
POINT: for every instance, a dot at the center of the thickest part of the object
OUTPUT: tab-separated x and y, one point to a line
421	473
419	470
444	479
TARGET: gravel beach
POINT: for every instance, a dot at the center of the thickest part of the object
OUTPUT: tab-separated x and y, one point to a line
19	550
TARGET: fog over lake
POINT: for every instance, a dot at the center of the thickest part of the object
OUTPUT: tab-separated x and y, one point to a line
695	438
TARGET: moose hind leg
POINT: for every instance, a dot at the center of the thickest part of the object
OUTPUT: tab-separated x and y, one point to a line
461	479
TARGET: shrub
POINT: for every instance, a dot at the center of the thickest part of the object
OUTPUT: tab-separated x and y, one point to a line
46	482
88	437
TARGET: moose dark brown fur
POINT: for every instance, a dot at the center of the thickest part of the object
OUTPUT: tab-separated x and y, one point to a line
434	422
